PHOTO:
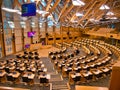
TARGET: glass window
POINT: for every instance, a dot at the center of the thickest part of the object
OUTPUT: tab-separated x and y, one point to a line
43	2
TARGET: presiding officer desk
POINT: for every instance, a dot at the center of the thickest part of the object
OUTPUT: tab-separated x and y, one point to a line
39	46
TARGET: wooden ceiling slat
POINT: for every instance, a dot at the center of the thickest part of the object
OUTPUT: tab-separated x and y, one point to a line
63	9
53	8
67	11
88	11
28	1
96	11
17	3
80	9
48	5
39	3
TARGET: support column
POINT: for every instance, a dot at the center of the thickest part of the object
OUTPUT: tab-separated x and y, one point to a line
46	33
39	34
31	37
61	33
23	40
54	33
13	41
68	33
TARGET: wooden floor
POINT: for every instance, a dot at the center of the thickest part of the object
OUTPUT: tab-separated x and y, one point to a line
89	88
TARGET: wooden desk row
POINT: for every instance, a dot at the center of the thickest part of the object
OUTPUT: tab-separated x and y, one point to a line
27	77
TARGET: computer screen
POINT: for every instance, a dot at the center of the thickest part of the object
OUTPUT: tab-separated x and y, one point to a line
31	34
29	9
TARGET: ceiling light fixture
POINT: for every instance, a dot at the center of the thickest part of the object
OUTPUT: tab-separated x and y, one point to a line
41	12
110	13
10	10
103	7
79	14
78	3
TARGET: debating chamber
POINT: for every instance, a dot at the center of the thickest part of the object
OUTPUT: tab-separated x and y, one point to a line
60	45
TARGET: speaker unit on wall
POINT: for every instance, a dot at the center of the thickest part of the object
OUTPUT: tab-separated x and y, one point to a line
111	36
47	34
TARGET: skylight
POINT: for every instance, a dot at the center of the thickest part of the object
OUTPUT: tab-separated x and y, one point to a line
113	18
110	13
41	12
78	3
43	2
32	0
74	21
93	20
103	7
79	14
25	0
9	10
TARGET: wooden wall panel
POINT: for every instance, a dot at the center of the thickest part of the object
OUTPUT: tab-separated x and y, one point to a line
7	32
18	33
42	31
18	47
57	30
17	24
8	43
26	30
18	40
0	47
35	38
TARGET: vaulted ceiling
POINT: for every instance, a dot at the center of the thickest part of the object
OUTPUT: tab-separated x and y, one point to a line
68	14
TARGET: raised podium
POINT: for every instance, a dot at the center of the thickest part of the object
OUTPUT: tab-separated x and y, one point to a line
39	46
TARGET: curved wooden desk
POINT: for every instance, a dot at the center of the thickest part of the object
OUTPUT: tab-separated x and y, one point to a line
39	46
89	88
10	88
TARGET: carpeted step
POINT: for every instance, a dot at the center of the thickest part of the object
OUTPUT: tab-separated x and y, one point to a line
55	77
60	87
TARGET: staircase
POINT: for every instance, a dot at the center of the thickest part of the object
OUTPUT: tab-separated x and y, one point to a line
60	85
56	80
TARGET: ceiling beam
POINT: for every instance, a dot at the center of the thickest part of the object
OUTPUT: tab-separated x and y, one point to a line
48	5
53	8
96	11
17	3
63	9
87	12
28	1
67	11
80	9
39	3
1	2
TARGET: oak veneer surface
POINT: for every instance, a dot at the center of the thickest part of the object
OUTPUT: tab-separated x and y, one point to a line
89	88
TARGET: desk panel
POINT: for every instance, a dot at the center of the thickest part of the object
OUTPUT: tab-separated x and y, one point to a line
89	88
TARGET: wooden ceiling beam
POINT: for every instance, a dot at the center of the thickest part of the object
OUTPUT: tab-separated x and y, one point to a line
96	11
53	8
67	11
80	9
88	11
63	9
17	3
48	5
28	1
39	3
